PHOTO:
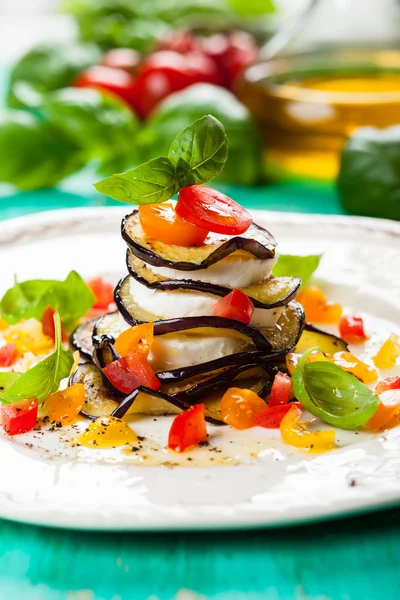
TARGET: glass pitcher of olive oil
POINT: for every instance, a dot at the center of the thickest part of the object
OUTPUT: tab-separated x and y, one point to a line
335	69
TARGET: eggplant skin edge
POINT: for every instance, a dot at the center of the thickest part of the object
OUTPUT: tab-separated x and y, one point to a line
254	247
207	288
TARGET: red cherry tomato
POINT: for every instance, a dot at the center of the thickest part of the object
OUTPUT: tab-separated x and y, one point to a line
103	292
188	428
116	81
8	355
211	210
48	325
165	72
19	416
235	305
181	41
160	221
130	372
281	390
232	53
390	383
272	417
122	58
351	328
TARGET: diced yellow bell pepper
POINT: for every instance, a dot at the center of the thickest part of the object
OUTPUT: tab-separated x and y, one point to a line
295	434
317	307
107	432
28	336
387	356
65	406
350	363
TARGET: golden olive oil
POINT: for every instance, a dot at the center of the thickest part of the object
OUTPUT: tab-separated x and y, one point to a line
308	106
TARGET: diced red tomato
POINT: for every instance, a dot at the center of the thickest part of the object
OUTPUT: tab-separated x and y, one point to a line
116	81
188	429
103	292
351	328
122	58
271	417
390	383
19	416
281	390
165	72
235	305
130	372
239	407
160	221
48	325
211	210
9	355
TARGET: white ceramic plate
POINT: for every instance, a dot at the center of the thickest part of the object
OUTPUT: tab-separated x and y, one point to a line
253	480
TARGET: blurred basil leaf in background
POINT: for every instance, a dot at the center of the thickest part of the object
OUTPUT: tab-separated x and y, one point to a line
37	154
102	124
179	110
252	8
48	67
369	175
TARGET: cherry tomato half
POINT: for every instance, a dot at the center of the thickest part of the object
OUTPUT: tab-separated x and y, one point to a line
239	408
122	58
235	305
160	221
211	210
117	81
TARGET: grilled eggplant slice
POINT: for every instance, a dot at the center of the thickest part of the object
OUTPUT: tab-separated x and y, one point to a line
81	339
328	342
255	241
110	325
100	400
268	294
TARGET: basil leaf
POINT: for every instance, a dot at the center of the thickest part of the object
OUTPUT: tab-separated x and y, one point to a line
297	266
203	146
7	378
150	183
71	298
253	8
45	377
38	155
333	395
369	176
102	124
48	67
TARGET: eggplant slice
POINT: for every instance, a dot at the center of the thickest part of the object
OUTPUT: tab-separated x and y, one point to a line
327	342
81	339
271	293
279	339
256	241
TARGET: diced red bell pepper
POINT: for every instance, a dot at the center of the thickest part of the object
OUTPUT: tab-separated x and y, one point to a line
235	305
48	325
281	390
390	383
19	416
9	355
130	372
351	328
271	418
188	428
103	292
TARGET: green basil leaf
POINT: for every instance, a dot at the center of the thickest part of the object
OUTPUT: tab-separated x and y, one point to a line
150	183
45	377
297	266
369	175
252	8
102	124
48	67
71	298
38	155
203	146
7	379
333	395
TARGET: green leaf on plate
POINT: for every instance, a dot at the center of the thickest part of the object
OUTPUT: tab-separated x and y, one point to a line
44	378
71	298
289	265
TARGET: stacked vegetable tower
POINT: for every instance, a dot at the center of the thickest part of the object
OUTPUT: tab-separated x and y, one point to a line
199	284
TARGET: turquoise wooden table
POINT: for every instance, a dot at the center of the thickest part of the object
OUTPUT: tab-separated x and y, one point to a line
352	559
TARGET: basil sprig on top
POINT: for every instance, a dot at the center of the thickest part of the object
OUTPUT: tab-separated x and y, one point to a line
196	156
44	378
332	394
